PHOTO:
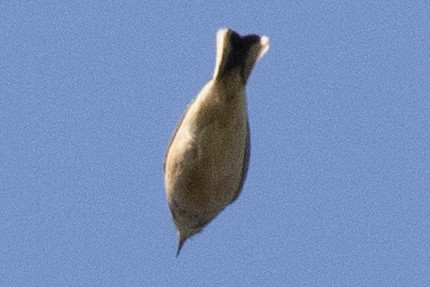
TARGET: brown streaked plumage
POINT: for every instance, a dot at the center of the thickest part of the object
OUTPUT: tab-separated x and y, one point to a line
207	159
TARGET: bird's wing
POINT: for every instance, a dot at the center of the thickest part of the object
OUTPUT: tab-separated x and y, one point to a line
245	162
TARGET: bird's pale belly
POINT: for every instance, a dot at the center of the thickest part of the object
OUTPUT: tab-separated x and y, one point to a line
209	167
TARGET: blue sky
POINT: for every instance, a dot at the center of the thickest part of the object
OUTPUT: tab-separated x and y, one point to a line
338	190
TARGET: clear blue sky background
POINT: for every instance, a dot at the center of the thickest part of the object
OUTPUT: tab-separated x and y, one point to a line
338	190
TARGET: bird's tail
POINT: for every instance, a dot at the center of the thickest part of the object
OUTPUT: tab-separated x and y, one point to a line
237	53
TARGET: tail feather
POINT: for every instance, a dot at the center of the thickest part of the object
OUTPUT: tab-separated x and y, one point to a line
238	53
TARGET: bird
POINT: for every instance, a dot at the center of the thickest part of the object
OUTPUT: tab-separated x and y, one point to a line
207	159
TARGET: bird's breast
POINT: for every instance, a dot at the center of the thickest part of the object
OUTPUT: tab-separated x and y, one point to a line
206	156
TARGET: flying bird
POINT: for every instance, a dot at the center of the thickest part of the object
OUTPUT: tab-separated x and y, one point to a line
207	159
